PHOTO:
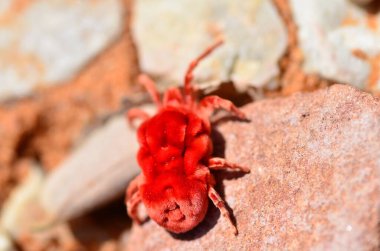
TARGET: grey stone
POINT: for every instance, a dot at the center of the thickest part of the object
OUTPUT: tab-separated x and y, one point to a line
170	34
328	45
50	40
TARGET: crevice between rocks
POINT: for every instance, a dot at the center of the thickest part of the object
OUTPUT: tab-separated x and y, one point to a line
292	77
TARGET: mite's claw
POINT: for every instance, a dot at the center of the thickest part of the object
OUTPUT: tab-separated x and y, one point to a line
217	163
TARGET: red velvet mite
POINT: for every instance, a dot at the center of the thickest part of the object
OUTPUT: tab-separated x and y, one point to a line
175	156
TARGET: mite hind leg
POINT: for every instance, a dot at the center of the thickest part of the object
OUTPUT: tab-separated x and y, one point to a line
136	113
132	205
217	163
133	199
220	204
211	103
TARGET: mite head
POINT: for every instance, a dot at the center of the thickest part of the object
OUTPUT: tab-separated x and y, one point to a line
176	203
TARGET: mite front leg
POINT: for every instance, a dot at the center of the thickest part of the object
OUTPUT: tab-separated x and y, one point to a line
220	163
219	203
210	103
136	113
189	89
150	86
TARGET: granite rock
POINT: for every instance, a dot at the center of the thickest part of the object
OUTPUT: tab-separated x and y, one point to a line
44	42
314	181
329	32
169	34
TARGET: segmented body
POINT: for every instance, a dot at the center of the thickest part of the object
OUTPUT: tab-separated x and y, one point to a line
175	145
173	142
175	157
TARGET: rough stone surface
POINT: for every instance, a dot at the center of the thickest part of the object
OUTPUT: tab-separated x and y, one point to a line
314	181
170	34
45	41
329	32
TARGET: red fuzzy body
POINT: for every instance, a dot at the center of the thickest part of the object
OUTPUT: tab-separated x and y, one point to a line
174	147
175	158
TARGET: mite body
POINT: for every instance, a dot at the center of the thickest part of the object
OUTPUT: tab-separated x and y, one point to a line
175	157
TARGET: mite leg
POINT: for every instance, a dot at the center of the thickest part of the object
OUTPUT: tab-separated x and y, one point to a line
172	95
219	203
133	186
189	73
136	113
150	86
132	204
220	163
133	199
210	103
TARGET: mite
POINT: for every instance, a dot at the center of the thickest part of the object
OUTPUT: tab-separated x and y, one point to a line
175	156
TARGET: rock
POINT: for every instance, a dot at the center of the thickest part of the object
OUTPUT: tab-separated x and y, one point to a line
329	32
169	36
20	212
44	41
5	242
56	237
314	181
97	171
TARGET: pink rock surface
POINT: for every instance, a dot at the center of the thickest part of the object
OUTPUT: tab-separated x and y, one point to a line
314	181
